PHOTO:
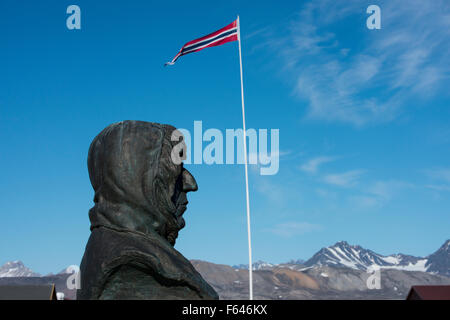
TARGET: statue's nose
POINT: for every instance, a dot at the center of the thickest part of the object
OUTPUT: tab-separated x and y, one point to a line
189	183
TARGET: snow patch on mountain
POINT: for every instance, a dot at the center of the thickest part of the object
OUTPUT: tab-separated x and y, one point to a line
258	265
343	254
16	269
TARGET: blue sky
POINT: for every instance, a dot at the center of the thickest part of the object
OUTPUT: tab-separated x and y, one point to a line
363	117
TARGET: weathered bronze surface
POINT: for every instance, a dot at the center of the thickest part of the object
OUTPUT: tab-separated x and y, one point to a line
140	197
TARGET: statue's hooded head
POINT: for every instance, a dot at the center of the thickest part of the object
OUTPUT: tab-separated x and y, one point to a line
138	187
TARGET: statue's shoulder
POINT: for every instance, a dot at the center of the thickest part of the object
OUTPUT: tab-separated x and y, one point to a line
125	265
130	281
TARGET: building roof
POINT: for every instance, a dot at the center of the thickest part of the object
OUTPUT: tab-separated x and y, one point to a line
28	292
429	293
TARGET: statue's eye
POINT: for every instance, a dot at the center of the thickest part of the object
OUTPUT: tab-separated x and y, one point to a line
181	153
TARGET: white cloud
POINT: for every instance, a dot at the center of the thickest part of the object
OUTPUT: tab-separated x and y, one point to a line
272	191
312	165
363	201
438	187
442	174
290	229
346	179
327	194
386	189
405	60
379	193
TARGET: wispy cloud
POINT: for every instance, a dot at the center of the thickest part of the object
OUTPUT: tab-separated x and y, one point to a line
257	32
438	187
442	174
312	165
346	179
386	189
290	229
379	193
373	81
272	191
365	201
327	194
440	178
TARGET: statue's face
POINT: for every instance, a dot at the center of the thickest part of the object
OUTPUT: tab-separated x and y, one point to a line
185	183
180	181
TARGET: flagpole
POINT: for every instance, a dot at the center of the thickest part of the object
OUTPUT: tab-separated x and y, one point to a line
250	275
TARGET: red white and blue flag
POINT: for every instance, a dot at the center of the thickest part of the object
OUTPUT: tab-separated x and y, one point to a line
229	33
224	35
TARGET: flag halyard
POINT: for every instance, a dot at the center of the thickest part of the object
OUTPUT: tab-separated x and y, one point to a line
217	38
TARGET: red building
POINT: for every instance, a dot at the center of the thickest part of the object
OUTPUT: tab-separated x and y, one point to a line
429	293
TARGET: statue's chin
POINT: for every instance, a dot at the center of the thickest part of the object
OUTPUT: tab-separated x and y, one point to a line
173	226
172	237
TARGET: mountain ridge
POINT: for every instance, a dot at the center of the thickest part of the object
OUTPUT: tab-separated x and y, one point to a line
340	255
16	269
344	255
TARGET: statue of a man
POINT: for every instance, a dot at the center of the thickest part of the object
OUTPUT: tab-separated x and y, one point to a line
140	197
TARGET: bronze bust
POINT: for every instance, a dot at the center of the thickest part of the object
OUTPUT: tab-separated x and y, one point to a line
140	197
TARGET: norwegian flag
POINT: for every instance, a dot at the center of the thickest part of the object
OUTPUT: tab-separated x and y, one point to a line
224	35
231	32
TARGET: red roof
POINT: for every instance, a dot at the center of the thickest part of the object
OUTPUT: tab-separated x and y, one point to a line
429	293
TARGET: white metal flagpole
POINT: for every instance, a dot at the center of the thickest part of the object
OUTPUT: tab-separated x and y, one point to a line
250	267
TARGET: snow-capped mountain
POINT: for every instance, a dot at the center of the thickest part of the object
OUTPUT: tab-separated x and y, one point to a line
343	254
298	261
439	262
16	269
262	265
338	255
258	265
